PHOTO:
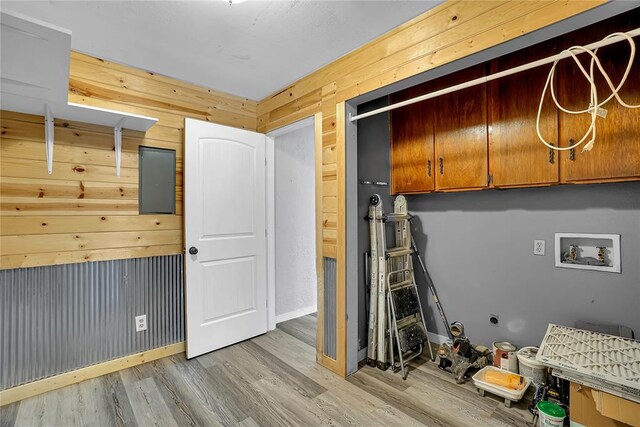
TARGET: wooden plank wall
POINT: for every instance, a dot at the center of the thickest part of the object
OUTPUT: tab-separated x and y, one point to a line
83	211
444	34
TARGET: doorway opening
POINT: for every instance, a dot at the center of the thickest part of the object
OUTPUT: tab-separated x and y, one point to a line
293	223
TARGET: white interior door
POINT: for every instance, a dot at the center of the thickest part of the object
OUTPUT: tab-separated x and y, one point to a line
225	219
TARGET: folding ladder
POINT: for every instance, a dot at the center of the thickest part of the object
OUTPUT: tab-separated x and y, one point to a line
395	309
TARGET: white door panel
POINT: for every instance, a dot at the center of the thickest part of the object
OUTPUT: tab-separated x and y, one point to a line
225	212
224	162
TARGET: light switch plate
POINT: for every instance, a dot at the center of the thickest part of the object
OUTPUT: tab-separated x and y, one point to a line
539	247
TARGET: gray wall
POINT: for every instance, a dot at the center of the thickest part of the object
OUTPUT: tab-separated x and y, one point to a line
479	250
59	318
295	258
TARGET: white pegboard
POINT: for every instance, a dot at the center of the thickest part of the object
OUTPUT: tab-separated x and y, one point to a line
608	357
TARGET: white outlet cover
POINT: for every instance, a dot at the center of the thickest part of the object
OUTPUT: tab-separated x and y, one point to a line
539	247
141	323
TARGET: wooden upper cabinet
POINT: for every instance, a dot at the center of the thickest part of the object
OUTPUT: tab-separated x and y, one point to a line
516	155
412	167
485	136
460	129
616	152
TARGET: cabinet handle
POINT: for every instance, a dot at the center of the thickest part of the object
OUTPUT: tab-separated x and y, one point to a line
441	163
428	167
551	154
572	152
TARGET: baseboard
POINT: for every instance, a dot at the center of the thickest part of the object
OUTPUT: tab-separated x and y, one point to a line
296	313
362	354
35	388
438	339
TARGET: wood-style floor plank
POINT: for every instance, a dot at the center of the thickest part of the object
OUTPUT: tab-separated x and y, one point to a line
303	408
8	414
301	357
270	380
303	328
290	377
402	401
248	422
148	405
262	408
187	408
117	402
204	388
93	405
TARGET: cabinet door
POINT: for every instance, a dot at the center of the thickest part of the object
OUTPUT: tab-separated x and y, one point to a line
412	167
460	129
616	153
516	155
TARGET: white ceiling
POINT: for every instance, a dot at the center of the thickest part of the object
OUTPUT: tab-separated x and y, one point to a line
251	49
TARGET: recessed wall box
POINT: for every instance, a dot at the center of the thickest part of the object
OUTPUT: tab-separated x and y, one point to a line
588	251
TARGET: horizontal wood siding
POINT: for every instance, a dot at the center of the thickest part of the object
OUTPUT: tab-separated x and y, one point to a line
444	34
83	211
448	32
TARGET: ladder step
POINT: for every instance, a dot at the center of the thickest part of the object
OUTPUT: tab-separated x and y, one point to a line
405	301
398	286
405	322
398	216
411	337
402	270
396	252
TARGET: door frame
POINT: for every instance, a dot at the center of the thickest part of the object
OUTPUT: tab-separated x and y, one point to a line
271	209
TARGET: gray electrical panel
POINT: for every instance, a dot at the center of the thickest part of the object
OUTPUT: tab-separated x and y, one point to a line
157	181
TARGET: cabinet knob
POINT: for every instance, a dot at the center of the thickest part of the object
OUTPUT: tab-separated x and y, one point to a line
193	250
428	167
441	165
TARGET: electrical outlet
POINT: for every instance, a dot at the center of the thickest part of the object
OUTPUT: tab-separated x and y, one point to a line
539	247
141	323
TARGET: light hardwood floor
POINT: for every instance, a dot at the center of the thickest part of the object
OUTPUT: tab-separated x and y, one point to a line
271	380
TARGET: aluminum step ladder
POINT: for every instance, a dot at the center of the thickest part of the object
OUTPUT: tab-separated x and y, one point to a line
396	320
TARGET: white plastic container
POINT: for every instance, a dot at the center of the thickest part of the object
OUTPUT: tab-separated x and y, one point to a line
508	394
550	414
530	367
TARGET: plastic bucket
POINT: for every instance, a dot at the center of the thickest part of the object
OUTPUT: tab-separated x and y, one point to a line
551	415
530	367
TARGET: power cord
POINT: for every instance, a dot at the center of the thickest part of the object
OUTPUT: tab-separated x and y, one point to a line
594	108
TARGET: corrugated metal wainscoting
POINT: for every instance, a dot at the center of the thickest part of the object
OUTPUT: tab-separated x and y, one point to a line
59	318
330	333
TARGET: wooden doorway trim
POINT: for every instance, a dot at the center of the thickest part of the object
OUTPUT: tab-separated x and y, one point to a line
330	219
